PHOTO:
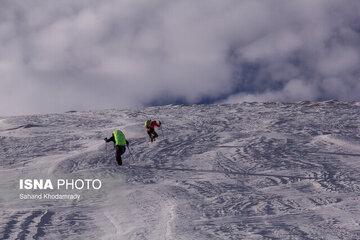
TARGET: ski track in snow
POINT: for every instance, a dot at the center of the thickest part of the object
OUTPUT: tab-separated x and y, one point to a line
242	171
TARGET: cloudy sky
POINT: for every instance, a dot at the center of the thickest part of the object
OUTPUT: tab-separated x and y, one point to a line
88	54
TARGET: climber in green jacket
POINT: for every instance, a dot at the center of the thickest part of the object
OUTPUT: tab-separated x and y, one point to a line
120	142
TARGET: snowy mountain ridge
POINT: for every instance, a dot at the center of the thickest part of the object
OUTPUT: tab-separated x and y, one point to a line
238	171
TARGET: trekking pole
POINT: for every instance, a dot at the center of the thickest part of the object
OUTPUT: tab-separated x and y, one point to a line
106	151
162	132
132	156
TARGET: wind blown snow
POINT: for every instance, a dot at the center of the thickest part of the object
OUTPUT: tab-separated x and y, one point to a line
242	171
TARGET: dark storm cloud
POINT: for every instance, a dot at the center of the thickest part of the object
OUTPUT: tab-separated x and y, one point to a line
60	55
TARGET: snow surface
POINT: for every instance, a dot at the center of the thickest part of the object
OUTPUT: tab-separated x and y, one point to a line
243	171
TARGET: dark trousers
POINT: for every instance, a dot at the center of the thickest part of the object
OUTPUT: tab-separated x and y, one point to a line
152	134
119	150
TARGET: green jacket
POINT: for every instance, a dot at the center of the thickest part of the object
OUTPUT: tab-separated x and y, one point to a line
118	137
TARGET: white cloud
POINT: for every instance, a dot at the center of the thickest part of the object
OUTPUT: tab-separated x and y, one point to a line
339	61
61	55
294	90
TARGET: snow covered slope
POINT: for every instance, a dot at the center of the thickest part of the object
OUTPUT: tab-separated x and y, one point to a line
245	171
